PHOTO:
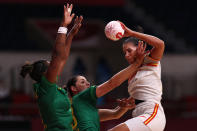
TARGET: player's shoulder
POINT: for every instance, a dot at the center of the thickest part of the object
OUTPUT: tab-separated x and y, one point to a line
149	61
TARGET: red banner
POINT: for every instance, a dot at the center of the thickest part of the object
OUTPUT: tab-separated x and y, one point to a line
77	2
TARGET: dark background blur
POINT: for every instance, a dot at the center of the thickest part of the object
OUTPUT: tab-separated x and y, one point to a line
27	33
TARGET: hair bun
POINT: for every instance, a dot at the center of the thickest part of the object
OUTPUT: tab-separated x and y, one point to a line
26	69
139	29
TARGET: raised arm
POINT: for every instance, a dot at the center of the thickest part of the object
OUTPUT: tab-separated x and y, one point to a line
123	106
71	34
158	44
123	75
62	45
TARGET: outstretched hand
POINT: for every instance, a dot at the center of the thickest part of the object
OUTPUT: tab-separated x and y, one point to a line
68	15
140	53
76	26
128	103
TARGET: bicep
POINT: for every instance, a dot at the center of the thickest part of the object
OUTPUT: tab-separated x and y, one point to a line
157	52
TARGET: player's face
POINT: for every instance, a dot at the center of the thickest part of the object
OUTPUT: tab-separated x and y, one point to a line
129	50
82	83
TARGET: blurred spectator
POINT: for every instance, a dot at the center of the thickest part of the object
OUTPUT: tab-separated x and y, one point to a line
79	67
4	91
103	73
22	104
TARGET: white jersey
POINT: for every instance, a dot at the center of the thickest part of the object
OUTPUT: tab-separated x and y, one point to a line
146	84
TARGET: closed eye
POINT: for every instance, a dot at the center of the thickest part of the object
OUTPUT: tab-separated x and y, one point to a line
129	50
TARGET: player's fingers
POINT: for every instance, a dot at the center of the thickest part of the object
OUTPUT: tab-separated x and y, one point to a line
81	18
130	106
76	19
79	25
72	16
139	47
118	100
124	100
71	7
130	99
122	25
145	45
142	47
67	5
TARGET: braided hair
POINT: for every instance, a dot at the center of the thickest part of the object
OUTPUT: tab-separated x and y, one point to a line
35	70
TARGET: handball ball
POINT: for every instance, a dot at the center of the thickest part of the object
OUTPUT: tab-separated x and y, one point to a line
114	30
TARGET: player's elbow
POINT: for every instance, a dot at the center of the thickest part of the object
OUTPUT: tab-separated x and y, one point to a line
160	44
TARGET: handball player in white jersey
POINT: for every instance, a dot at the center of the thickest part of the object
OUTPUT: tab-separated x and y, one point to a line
145	86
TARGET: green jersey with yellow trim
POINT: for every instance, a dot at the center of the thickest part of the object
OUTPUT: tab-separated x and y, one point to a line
54	106
84	105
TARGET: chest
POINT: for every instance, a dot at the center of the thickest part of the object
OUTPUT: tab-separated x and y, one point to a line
57	99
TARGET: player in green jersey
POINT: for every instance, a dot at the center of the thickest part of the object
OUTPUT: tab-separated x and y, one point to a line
84	96
53	101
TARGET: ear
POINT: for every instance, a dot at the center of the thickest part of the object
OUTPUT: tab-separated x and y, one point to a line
73	88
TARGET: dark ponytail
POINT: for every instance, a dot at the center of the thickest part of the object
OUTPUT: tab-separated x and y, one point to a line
35	70
71	82
139	29
26	69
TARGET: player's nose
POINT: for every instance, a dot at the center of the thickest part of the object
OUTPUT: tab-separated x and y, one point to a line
126	55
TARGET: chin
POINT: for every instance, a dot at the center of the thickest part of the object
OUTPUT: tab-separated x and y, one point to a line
130	61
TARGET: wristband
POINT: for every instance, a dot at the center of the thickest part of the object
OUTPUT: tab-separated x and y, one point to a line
62	30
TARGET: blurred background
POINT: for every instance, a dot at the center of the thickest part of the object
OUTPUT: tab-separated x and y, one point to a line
27	33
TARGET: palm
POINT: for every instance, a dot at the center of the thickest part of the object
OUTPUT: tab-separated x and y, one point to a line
77	25
67	18
67	14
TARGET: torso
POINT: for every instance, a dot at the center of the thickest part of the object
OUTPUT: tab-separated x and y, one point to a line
146	84
84	105
54	106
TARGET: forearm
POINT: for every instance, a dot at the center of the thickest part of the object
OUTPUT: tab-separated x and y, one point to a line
110	114
68	44
119	112
123	75
61	43
116	80
149	39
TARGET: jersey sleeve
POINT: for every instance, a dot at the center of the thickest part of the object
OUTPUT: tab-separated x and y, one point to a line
44	87
89	94
46	83
149	61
